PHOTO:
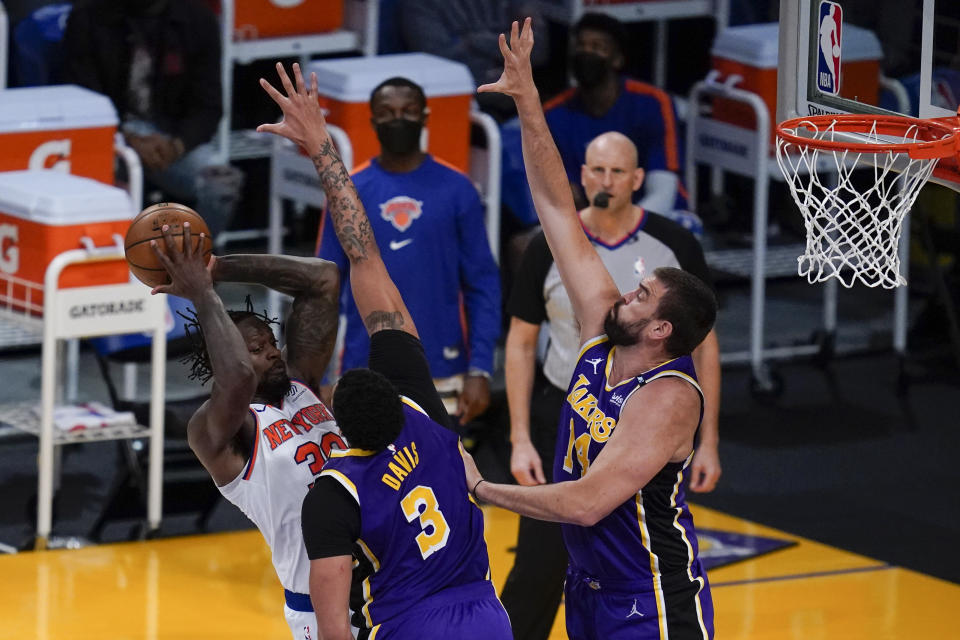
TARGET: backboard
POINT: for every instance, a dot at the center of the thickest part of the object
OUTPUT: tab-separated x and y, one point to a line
827	46
871	56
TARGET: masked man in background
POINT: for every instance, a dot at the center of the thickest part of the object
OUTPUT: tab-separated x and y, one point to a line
428	221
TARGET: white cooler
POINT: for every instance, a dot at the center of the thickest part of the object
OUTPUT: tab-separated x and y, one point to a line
65	127
43	214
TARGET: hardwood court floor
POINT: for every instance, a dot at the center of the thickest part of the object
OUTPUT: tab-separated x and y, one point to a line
222	586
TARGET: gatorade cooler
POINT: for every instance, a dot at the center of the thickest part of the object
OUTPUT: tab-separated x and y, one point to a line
273	18
66	128
750	51
345	85
43	214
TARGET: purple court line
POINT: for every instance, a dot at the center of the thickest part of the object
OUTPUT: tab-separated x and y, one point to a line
800	576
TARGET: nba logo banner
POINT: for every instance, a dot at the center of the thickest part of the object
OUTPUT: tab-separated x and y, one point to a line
828	58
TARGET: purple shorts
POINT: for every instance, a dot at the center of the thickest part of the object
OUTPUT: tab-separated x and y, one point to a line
470	612
601	610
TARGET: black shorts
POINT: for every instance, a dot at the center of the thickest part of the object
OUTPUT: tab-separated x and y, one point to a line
400	357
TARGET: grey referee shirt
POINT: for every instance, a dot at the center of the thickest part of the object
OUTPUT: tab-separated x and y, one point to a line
539	296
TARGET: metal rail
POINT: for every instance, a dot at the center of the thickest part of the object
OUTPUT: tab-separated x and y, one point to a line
83	312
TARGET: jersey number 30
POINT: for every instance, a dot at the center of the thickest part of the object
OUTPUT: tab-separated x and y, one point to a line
422	503
316	455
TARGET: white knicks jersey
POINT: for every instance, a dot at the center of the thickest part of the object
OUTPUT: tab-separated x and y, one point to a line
293	442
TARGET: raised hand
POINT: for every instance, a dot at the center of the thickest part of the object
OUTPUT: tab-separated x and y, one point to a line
190	274
303	121
517	77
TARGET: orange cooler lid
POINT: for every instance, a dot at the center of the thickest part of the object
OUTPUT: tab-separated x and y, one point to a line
53	108
757	45
352	79
61	199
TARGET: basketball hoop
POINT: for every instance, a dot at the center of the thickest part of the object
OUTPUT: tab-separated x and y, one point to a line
854	218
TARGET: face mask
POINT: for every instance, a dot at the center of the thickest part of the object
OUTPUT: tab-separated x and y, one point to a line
590	69
146	7
399	136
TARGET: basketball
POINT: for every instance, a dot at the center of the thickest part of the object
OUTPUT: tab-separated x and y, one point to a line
146	226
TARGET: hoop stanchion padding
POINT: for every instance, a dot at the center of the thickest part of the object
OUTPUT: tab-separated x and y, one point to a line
854	178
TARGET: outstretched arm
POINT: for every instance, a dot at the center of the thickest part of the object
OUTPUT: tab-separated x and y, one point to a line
377	298
590	286
214	427
651	432
314	284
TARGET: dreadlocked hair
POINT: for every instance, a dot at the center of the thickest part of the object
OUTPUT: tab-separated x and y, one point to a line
199	360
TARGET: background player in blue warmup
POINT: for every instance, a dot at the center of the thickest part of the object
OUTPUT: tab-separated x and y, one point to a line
427	219
606	100
394	505
628	425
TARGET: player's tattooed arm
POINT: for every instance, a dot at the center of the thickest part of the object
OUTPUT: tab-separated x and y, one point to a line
214	428
376	296
380	320
311	332
314	284
303	123
291	275
349	219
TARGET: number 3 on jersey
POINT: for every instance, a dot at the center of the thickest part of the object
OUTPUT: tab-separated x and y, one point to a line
430	518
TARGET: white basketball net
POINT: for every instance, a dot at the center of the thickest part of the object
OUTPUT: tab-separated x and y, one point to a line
852	203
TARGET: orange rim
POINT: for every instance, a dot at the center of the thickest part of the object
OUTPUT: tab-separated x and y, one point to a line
936	138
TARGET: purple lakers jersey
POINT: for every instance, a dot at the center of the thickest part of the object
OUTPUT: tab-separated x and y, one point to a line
420	531
651	534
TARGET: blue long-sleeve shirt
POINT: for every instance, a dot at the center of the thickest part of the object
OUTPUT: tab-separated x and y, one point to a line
429	225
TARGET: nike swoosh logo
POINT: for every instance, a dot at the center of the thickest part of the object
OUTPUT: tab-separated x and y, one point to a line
394	244
261	409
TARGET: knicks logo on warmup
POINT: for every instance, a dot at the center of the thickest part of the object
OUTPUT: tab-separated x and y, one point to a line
828	58
401	211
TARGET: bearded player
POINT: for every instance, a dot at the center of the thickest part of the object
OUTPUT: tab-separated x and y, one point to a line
629	421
